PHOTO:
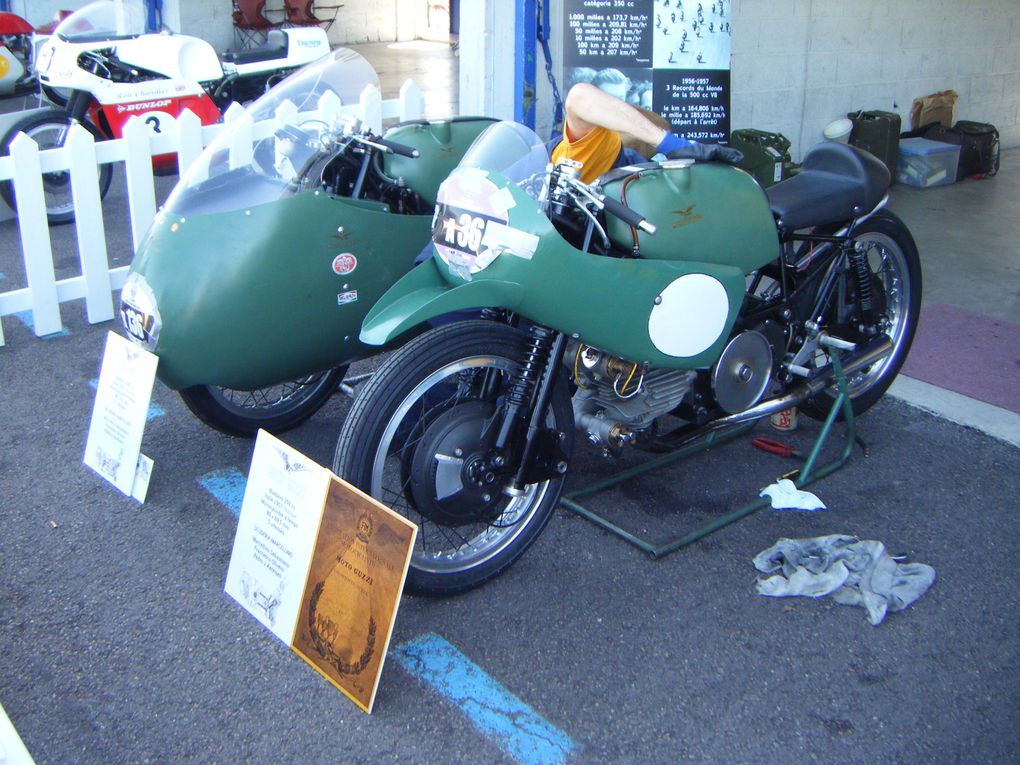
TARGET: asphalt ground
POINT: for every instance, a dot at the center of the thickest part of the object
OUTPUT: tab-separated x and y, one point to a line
118	645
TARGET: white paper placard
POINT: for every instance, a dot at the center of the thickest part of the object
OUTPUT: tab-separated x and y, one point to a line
143	472
276	533
119	412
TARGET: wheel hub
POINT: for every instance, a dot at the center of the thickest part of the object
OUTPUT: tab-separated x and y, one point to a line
454	481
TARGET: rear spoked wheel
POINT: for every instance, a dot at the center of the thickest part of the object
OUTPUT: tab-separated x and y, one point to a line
419	439
895	280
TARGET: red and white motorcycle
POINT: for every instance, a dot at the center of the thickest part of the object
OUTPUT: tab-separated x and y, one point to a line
111	70
16	75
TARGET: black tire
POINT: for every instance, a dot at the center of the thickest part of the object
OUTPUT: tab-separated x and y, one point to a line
47	127
429	394
276	408
896	286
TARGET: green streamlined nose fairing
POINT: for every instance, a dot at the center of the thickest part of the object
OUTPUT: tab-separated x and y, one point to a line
252	275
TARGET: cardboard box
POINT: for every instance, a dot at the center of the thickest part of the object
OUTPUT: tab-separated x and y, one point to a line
923	163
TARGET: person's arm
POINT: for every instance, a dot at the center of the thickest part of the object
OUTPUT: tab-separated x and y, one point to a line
587	107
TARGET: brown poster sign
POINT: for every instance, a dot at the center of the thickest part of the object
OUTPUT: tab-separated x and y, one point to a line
353	589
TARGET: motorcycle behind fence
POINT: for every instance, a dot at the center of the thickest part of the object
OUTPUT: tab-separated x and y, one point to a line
100	68
16	75
662	303
253	281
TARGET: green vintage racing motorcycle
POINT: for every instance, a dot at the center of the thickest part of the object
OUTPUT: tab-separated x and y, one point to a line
253	281
658	304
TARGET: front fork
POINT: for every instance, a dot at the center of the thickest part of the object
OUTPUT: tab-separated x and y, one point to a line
527	401
77	107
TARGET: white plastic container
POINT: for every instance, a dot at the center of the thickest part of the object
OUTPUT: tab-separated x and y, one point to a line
838	130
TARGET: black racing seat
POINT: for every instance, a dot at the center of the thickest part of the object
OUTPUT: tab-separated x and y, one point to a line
274	47
837	182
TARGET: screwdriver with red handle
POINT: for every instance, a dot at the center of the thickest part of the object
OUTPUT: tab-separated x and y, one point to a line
776	447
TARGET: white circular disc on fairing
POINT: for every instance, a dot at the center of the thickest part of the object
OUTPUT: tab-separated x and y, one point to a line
691	316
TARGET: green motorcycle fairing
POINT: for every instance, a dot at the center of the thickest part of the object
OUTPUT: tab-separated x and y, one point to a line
250	297
255	294
674	314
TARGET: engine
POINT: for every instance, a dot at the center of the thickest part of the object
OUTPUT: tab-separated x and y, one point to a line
616	401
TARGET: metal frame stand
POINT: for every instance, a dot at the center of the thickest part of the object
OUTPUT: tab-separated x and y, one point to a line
801	477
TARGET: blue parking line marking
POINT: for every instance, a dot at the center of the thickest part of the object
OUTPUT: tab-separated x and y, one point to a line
227	486
518	729
155	410
28	320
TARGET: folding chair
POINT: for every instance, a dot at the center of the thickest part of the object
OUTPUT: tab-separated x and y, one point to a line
250	23
301	13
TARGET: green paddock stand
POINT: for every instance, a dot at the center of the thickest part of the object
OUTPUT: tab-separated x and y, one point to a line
801	477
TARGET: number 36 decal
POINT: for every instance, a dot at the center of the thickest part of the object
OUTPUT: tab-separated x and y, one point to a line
459	229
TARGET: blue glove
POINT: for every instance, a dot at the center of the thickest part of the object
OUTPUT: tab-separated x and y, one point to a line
675	147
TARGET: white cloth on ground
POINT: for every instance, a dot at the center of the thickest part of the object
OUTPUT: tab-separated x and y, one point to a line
786	496
855	572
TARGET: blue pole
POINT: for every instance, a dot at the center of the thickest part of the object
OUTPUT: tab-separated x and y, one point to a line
5	5
154	17
526	17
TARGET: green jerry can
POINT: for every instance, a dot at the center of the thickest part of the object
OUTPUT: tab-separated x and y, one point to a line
877	133
766	155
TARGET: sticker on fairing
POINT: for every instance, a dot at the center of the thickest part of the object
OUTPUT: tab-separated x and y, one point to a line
344	263
347	297
470	228
690	316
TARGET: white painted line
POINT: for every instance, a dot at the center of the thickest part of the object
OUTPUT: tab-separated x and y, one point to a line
12	749
993	420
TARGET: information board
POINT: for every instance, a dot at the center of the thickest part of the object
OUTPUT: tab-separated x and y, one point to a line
321	565
670	56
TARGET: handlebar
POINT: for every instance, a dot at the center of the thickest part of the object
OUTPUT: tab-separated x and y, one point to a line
627	215
398	148
603	202
386	146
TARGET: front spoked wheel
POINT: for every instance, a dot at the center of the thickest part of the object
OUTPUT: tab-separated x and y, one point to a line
895	280
48	128
418	438
275	408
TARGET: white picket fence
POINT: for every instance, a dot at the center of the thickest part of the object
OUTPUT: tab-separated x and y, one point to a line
80	156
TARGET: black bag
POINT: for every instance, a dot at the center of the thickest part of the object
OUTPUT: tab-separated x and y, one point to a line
979	148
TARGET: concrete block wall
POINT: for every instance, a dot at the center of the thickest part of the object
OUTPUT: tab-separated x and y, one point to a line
799	64
362	21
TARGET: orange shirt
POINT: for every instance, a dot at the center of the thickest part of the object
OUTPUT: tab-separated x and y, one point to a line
597	152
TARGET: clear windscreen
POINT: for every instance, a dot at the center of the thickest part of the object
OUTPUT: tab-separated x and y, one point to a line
512	150
103	20
280	144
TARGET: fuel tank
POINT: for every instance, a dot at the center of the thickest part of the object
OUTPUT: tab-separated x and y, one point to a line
705	212
440	145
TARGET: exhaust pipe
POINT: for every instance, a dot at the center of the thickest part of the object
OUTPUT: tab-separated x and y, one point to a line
871	355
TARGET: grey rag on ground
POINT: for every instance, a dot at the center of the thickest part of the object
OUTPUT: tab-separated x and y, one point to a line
855	572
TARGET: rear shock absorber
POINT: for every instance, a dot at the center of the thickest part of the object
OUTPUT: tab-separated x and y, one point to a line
859	261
